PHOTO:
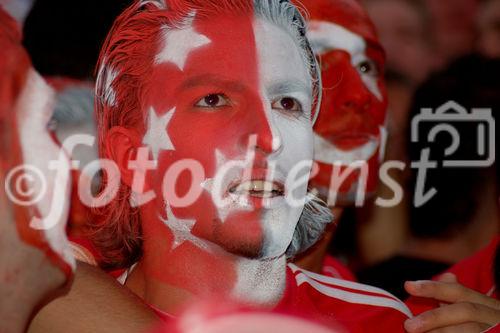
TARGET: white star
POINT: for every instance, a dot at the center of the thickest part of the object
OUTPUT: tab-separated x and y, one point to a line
157	137
215	186
178	43
181	229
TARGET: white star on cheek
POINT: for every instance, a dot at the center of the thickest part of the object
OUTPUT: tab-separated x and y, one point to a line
179	43
181	229
232	202
157	137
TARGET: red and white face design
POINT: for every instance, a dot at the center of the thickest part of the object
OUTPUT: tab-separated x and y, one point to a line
221	91
47	164
36	169
350	126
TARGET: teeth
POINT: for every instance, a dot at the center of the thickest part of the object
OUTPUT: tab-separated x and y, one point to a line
257	186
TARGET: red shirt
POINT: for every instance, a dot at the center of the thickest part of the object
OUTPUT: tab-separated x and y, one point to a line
333	302
330	301
475	272
336	269
341	305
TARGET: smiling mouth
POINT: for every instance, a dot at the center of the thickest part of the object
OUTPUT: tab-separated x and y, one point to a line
258	189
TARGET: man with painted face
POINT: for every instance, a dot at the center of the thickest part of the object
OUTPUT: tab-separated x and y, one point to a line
349	136
228	218
350	127
202	89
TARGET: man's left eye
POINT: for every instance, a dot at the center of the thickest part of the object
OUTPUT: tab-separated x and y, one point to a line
287	104
213	101
368	67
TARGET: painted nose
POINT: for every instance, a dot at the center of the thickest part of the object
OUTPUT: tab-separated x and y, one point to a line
264	136
355	95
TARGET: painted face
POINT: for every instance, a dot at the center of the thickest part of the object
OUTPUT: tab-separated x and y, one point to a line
350	127
33	189
222	97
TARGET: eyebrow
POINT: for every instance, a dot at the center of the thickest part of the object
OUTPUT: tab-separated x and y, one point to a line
281	88
205	79
275	88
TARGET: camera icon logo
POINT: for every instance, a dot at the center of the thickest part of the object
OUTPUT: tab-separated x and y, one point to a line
448	122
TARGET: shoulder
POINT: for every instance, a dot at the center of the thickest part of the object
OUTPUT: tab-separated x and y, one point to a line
336	269
476	272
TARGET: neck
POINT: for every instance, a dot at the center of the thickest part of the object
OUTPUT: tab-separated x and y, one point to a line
313	259
208	275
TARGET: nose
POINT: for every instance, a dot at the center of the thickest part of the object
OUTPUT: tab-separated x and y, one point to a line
263	135
355	95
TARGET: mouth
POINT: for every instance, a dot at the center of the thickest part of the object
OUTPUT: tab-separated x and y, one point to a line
347	142
327	152
258	189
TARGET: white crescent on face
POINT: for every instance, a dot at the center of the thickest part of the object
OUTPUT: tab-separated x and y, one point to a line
327	36
327	152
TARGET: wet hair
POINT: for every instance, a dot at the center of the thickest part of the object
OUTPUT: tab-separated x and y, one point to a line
125	63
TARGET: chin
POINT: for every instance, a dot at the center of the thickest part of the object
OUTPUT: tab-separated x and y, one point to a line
246	250
278	230
241	239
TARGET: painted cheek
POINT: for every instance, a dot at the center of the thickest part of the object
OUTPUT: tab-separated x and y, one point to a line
350	116
198	133
380	105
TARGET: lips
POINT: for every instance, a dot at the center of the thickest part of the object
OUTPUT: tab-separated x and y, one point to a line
327	152
348	142
258	188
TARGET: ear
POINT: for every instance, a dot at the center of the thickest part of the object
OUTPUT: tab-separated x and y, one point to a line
122	145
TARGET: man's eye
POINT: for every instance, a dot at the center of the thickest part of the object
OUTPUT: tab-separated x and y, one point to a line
213	101
287	104
368	67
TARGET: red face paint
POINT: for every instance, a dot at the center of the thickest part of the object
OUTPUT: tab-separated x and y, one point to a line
227	94
353	109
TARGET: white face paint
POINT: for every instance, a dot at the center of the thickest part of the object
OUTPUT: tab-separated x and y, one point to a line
260	279
327	152
156	137
185	40
18	9
327	36
278	54
260	282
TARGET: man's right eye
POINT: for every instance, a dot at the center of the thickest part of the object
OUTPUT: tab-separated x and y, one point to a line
213	101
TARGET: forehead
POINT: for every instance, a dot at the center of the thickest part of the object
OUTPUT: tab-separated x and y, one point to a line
238	50
278	52
345	13
326	36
